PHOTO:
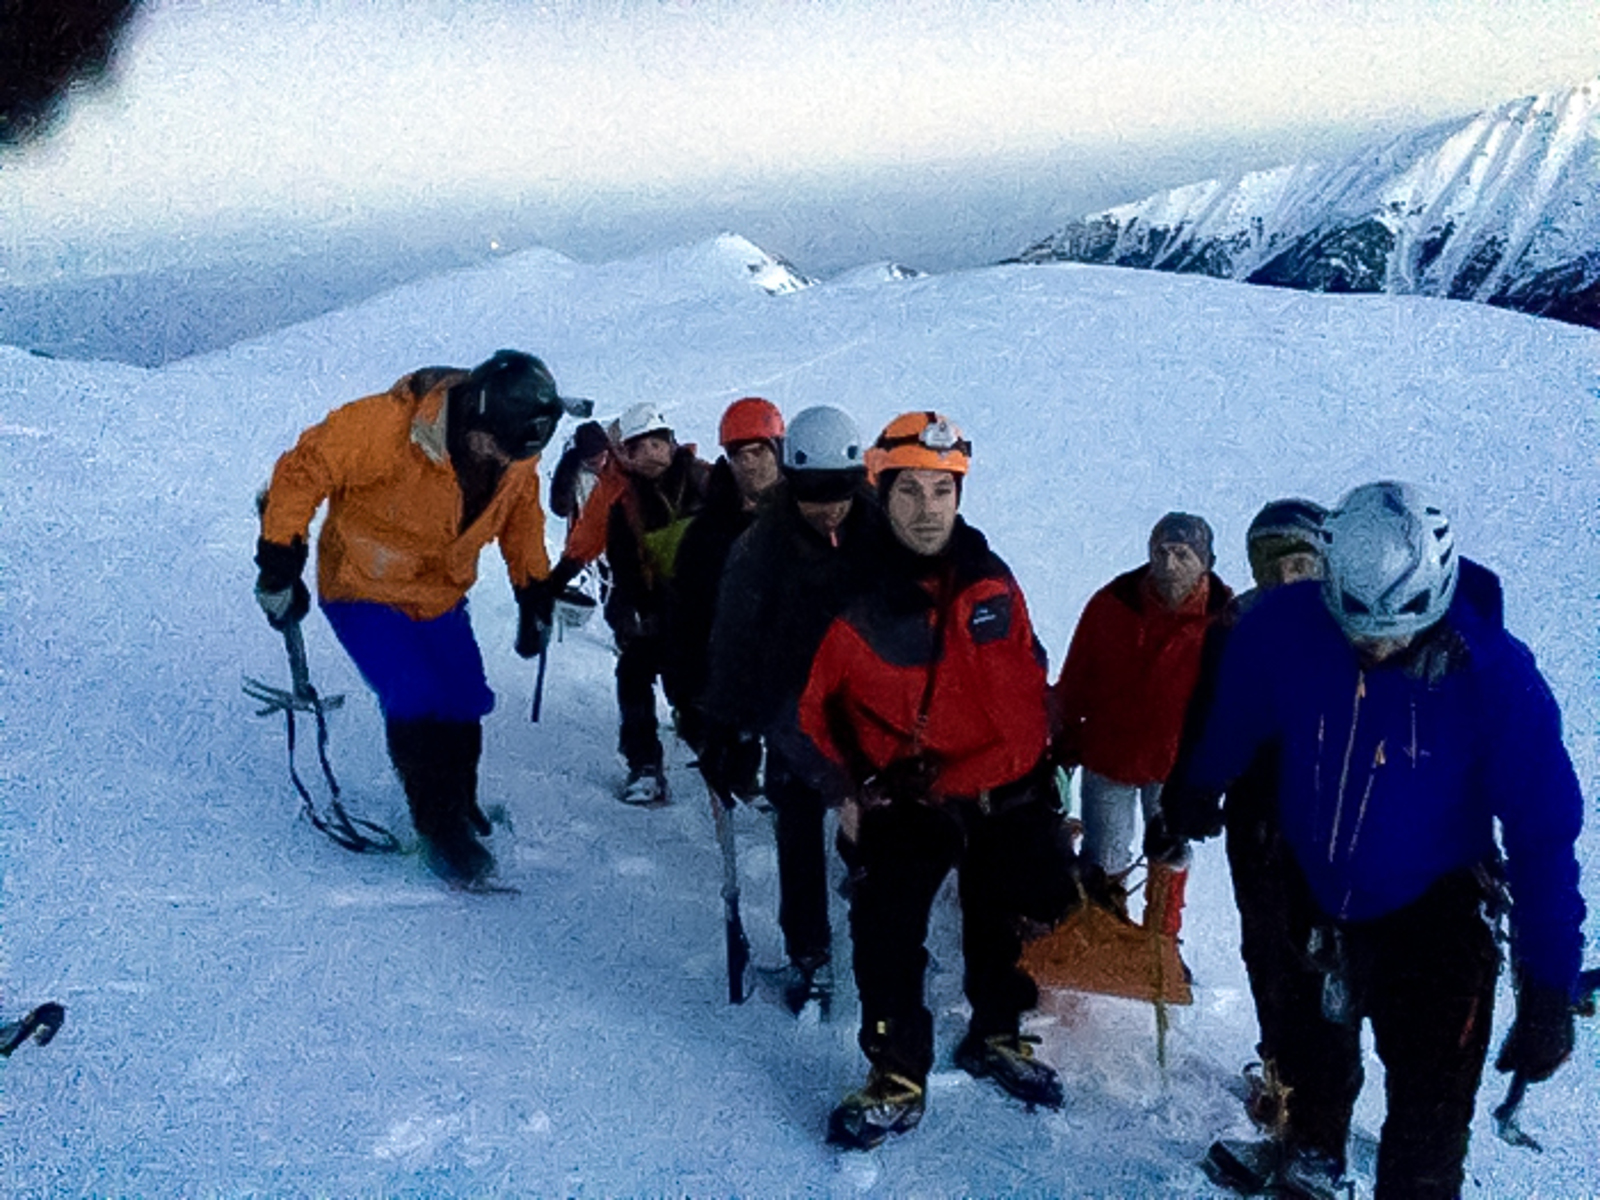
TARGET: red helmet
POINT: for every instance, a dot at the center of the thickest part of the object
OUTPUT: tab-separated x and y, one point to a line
750	420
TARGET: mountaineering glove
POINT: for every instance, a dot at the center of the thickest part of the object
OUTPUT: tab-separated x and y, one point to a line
535	613
1541	1037
1161	845
907	780
279	590
564	572
717	760
1191	814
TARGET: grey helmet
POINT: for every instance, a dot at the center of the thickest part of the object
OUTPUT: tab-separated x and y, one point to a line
823	438
1391	561
823	458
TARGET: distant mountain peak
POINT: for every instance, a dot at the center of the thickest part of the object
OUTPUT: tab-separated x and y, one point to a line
1501	208
772	273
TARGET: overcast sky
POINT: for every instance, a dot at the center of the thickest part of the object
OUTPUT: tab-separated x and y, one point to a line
939	133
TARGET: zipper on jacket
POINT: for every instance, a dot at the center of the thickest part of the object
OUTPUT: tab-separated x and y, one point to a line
1378	759
1344	770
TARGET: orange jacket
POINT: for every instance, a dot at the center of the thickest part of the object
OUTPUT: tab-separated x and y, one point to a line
393	532
586	536
1128	676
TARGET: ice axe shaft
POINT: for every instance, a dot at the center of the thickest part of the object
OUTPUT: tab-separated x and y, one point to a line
538	685
738	944
353	833
1505	1116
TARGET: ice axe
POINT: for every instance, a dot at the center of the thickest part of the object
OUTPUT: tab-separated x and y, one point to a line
352	833
538	684
738	945
1505	1114
41	1024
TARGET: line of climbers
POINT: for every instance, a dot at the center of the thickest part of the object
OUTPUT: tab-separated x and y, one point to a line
832	634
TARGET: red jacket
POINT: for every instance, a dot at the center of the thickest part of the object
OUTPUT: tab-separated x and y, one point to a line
1129	673
946	666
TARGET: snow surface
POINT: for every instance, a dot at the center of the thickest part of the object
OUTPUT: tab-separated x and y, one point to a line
253	1011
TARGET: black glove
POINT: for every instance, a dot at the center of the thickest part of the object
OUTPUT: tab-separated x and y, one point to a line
1191	814
279	590
906	780
690	724
564	572
1541	1037
1161	845
721	757
536	605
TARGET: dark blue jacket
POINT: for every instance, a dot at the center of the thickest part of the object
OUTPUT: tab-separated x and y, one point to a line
1391	777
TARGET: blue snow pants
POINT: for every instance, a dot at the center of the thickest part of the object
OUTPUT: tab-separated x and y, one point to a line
419	669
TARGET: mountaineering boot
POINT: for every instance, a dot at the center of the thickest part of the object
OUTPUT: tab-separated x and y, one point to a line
888	1103
1314	1175
458	858
1008	1059
438	765
646	787
808	979
1251	1167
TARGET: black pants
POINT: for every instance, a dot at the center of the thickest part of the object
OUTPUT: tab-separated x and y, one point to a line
1275	912
1013	863
639	663
437	762
1425	977
802	863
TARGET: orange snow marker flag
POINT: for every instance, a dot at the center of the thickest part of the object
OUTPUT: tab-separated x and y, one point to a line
1097	950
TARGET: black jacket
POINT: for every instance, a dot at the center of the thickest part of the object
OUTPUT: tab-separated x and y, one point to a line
564	484
695	580
640	532
781	589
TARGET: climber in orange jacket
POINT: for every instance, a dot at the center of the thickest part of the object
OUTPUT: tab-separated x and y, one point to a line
417	480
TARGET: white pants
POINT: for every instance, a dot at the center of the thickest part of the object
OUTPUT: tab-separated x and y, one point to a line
1108	820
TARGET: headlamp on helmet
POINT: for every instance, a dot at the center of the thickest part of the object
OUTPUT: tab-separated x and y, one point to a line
925	440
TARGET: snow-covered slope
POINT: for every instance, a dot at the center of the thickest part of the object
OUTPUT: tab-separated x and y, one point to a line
1502	208
252	1011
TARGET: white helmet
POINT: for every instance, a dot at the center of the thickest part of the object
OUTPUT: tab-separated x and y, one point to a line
1391	562
641	419
823	438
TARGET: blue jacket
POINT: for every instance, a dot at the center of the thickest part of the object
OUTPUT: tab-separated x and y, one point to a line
1391	777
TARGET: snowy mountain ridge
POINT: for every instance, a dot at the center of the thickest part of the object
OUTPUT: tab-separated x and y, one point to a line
1501	208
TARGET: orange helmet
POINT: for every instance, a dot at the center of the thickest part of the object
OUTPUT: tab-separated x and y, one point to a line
750	420
923	439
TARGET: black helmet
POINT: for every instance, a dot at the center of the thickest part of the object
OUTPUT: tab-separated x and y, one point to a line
513	397
1284	527
1289	518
